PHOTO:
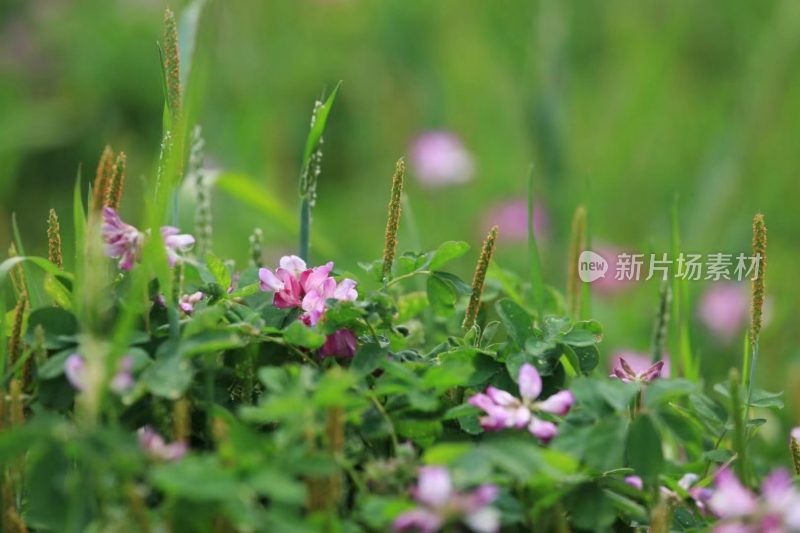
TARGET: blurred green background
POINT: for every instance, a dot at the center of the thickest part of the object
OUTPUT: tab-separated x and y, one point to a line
620	105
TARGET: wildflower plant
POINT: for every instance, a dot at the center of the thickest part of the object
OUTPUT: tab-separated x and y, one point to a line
148	384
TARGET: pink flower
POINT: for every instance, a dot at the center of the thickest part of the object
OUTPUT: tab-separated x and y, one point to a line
634	481
75	371
506	411
188	301
175	242
122	240
632	367
777	510
340	344
295	285
724	309
125	242
512	218
439	158
154	445
440	504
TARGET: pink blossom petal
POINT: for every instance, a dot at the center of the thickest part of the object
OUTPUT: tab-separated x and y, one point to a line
269	281
418	519
501	397
542	430
559	403
434	486
731	499
634	481
530	383
74	369
346	290
293	264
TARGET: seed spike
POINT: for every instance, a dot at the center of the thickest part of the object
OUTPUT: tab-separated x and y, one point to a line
759	283
117	185
181	420
478	279
794	448
172	68
15	341
577	243
393	219
103	179
54	240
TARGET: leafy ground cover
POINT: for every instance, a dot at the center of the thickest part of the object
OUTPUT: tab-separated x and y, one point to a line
157	386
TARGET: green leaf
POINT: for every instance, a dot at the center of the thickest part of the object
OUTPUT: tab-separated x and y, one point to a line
517	321
764	399
368	358
585	333
168	377
318	128
447	252
218	270
441	295
459	286
590	508
643	448
207	342
661	391
299	334
200	479
60	327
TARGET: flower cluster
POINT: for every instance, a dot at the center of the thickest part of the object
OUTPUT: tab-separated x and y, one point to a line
296	286
741	511
505	411
124	242
75	370
439	504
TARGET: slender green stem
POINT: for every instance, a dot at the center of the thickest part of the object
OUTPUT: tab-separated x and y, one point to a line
305	229
392	432
398	279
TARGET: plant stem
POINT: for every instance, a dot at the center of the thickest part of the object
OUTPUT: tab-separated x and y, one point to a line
305	229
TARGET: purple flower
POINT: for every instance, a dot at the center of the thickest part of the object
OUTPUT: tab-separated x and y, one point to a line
512	218
75	371
439	158
125	242
175	242
154	445
340	344
122	240
439	504
631	367
724	308
188	301
506	411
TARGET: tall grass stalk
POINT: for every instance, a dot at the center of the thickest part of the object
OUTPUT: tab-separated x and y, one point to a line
661	326
534	260
577	244
689	367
